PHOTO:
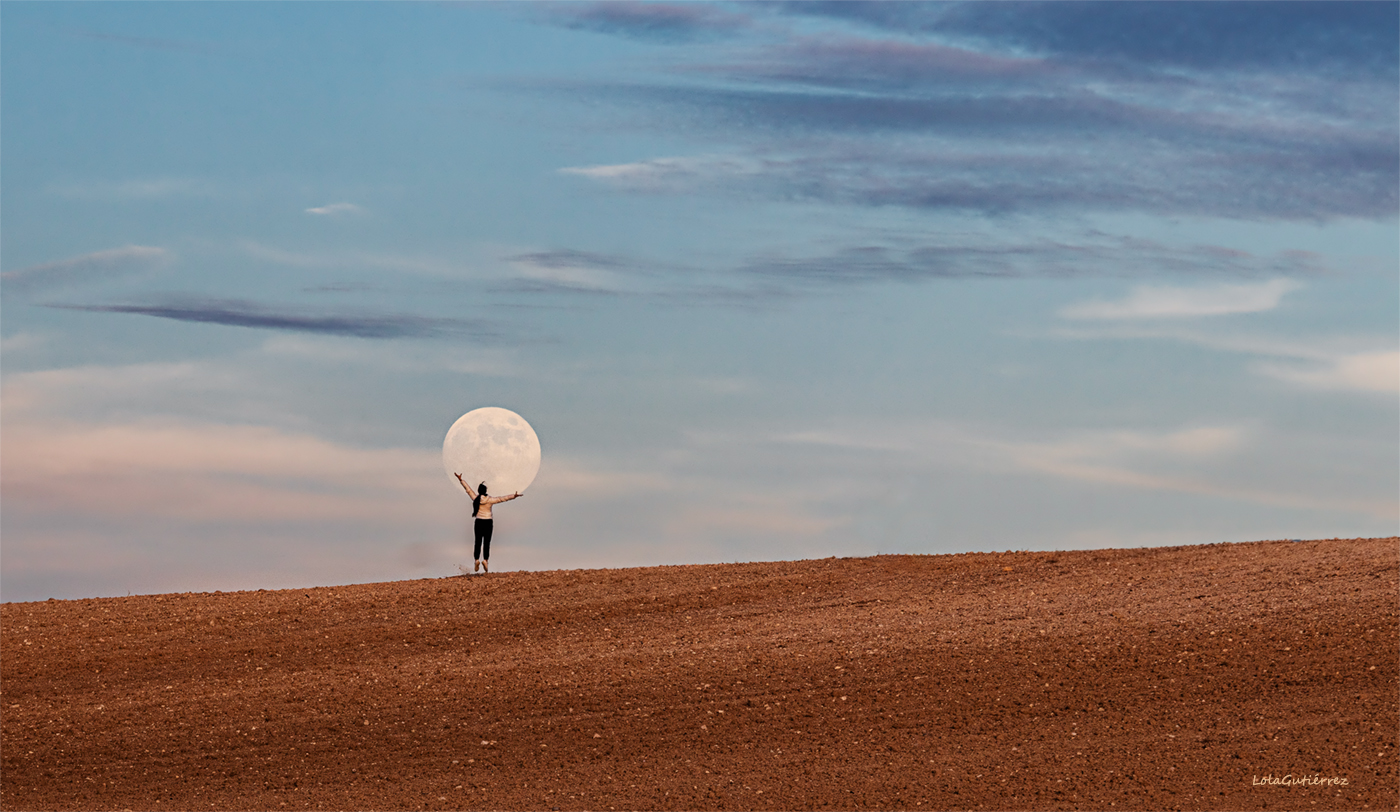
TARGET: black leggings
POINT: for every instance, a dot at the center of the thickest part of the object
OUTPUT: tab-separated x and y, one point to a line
483	539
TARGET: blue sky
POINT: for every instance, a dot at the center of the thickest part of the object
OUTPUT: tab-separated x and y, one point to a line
770	280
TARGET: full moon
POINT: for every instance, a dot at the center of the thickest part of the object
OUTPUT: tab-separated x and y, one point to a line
495	446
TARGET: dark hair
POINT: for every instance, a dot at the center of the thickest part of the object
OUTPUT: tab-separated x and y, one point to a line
476	503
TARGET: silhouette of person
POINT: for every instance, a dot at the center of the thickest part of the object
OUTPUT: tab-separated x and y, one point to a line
481	509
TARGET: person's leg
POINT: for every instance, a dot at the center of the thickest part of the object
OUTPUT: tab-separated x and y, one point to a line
482	527
486	541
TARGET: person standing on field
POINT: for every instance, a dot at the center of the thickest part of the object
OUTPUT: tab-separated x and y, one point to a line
481	510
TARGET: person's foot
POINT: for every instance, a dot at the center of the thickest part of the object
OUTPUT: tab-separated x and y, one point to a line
477	568
485	566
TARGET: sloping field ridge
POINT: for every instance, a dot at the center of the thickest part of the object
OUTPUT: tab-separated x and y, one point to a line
1228	676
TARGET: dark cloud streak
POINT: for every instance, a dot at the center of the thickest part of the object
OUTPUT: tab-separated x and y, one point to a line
1017	115
1000	138
1097	255
237	313
1305	184
1284	111
1301	36
657	22
1290	36
765	280
570	258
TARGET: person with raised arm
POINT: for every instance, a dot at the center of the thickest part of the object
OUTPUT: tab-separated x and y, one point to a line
481	510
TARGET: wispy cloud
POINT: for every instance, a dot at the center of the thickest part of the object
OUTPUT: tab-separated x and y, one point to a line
678	174
916	258
937	437
657	22
1279	36
133	189
1151	302
1202	460
1357	372
1107	456
1171	462
238	313
1302	36
1014	169
146	43
584	271
190	504
129	392
21	341
573	258
334	351
350	259
1337	363
1274	115
98	266
68	428
333	209
1091	255
210	472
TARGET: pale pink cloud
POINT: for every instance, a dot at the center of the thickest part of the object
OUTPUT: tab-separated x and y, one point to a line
61	459
211	472
1161	302
1356	372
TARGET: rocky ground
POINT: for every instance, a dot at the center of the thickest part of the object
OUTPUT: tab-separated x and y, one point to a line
1174	678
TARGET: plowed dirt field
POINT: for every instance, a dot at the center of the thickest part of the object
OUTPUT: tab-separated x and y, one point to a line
1173	678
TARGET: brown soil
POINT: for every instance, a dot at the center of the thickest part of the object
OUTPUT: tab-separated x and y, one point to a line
1109	679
